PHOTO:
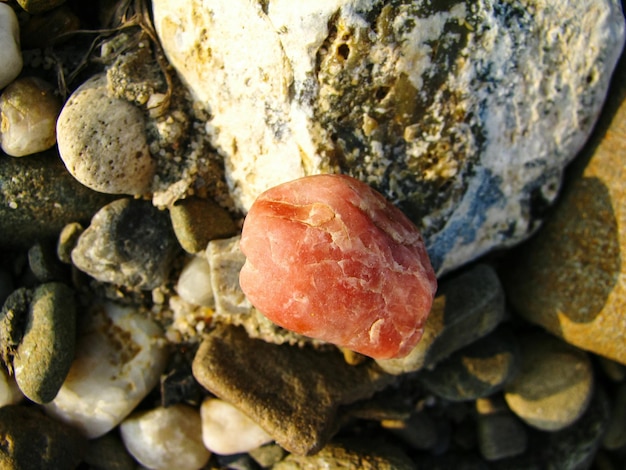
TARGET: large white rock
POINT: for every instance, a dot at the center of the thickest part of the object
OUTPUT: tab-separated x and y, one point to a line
463	113
119	358
10	53
166	438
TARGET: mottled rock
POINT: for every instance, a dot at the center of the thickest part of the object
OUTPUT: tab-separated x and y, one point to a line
226	430
102	141
554	385
39	6
129	242
194	282
330	258
29	110
98	394
467	307
46	350
615	437
198	221
293	393
166	438
363	454
33	440
10	55
39	197
500	433
464	113
478	370
568	279
108	453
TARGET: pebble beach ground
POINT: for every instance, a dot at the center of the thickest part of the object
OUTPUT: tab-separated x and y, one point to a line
126	341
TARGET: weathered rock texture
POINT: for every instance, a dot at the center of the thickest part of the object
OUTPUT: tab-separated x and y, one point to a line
463	113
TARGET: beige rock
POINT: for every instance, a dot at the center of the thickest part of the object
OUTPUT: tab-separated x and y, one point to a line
10	53
102	141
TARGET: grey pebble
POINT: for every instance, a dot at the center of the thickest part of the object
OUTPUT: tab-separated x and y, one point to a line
46	351
130	243
31	440
44	263
467	307
293	393
197	221
500	433
478	370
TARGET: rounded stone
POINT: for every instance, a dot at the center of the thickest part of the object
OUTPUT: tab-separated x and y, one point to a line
166	438
194	283
102	141
554	386
500	433
329	258
10	53
29	110
197	221
46	352
33	440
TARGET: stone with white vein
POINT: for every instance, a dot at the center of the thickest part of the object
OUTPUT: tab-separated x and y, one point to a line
227	430
463	113
119	358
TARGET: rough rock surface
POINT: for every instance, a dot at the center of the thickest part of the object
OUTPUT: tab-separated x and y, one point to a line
569	278
293	393
329	258
463	113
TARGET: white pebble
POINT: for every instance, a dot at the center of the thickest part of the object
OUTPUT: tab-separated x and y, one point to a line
166	438
194	283
29	110
10	394
10	54
119	359
102	141
226	430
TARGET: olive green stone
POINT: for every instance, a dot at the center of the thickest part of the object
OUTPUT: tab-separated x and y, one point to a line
46	351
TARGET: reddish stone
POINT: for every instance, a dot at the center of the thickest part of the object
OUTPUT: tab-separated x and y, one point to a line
328	257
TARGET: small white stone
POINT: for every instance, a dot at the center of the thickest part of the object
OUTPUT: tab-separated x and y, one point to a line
226	430
102	141
29	110
194	283
166	438
119	359
10	54
9	392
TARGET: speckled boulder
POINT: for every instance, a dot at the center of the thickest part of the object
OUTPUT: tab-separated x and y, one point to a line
463	113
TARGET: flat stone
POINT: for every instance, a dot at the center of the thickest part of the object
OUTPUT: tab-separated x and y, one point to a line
102	141
500	433
197	221
98	394
329	258
11	55
33	440
554	385
39	197
364	454
569	278
293	393
467	307
478	370
439	107
129	242
29	110
166	438
46	350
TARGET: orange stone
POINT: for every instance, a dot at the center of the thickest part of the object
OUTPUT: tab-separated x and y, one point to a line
330	258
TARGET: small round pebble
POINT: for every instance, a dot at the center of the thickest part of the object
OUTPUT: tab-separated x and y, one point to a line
166	438
102	141
194	282
555	383
330	258
227	430
29	110
10	53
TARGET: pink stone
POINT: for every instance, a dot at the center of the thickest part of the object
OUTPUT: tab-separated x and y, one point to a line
329	258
